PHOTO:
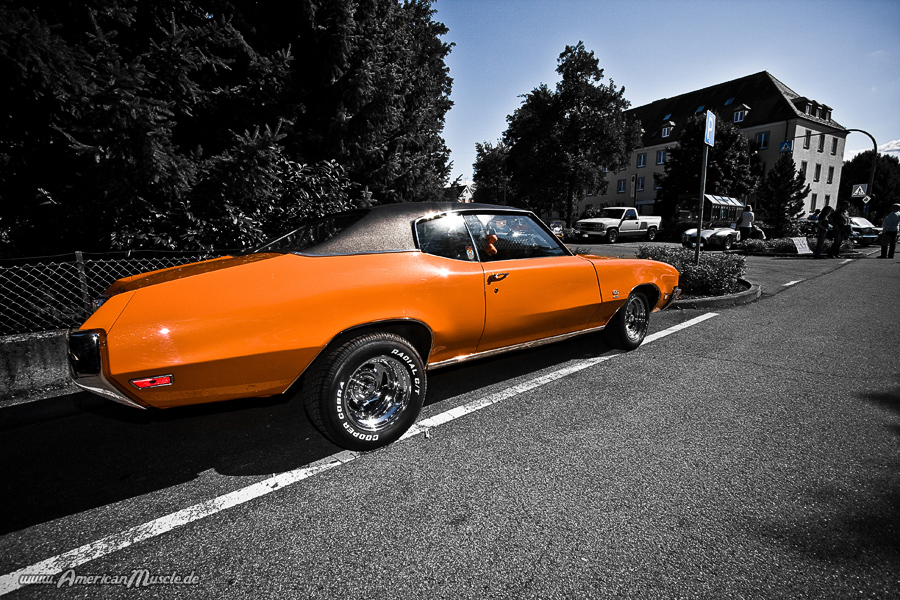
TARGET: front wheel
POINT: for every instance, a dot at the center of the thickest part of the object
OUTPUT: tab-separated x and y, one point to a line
367	392
612	235
628	327
729	243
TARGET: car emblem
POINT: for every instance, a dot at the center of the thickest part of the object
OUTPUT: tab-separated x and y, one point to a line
615	294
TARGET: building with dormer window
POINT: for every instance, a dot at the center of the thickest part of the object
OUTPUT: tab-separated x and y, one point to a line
766	110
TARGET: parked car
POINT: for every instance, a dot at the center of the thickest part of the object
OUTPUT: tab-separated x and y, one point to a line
616	222
863	231
720	238
357	307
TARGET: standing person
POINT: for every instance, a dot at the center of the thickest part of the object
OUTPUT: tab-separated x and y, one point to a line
822	229
889	230
745	222
839	219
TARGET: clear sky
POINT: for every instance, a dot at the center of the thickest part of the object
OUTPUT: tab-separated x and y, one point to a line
843	53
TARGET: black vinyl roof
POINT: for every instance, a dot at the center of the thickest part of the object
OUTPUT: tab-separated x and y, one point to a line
390	227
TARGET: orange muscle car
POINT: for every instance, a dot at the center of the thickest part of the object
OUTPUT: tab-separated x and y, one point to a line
357	307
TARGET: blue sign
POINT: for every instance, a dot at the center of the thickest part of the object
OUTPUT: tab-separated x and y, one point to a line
709	137
786	147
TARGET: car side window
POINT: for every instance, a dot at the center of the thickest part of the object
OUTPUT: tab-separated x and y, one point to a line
447	236
508	237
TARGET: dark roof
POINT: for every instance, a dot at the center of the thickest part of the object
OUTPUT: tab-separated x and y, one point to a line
389	227
766	99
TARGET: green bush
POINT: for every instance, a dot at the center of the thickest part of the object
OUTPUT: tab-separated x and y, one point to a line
754	245
716	275
787	246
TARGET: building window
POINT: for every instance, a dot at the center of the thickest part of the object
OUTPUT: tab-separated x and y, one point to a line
834	143
830	174
738	116
803	169
815	200
642	160
806	140
700	108
620	186
822	143
729	101
660	157
640	184
763	140
827	199
666	131
818	174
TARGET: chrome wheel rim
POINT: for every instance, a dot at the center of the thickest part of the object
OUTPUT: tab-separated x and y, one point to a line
377	393
635	319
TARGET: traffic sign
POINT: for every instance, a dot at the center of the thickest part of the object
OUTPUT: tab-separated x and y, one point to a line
786	147
709	137
859	190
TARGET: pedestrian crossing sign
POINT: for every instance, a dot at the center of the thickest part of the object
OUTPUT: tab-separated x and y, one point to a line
859	190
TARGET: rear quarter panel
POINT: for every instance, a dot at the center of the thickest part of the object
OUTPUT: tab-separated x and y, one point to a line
253	329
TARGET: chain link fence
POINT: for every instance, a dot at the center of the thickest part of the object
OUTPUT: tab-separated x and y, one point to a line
43	296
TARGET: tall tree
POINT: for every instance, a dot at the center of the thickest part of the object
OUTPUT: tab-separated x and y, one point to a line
886	187
491	174
208	122
781	195
729	168
561	140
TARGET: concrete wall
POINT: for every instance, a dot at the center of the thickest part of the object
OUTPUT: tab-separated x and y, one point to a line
33	366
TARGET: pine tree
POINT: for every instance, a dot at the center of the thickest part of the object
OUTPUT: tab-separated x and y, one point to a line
781	196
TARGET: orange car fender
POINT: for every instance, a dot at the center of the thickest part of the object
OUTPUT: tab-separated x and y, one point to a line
617	278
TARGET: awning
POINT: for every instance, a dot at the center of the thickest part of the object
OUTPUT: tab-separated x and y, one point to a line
724	201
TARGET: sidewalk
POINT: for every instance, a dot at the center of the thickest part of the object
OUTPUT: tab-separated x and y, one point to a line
44	390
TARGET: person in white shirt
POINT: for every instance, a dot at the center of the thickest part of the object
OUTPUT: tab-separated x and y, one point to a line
745	222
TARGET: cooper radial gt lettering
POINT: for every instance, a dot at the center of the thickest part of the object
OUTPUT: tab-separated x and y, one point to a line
339	403
405	358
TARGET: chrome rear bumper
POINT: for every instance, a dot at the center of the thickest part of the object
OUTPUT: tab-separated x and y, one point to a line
86	368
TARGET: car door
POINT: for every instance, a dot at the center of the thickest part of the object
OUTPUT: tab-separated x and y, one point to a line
534	288
630	223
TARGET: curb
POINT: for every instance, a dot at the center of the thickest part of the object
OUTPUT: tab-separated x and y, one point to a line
751	294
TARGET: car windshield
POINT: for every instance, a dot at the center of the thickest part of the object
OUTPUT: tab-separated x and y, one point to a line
611	213
859	221
312	233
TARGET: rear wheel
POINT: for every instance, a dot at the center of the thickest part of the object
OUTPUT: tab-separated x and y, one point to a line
628	327
651	234
729	242
367	392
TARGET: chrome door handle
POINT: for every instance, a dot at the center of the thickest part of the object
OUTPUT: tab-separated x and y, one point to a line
497	277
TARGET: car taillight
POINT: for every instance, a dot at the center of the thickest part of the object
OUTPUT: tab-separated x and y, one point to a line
152	382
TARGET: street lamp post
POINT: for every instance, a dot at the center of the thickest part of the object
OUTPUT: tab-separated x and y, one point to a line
872	170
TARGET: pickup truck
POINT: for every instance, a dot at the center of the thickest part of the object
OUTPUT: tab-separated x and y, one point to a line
616	222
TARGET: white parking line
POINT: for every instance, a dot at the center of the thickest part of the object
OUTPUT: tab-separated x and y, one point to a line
119	541
790	283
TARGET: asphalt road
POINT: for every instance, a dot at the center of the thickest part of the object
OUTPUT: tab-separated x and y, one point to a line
753	454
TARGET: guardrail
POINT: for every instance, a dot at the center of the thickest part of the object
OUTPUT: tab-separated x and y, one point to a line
40	296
